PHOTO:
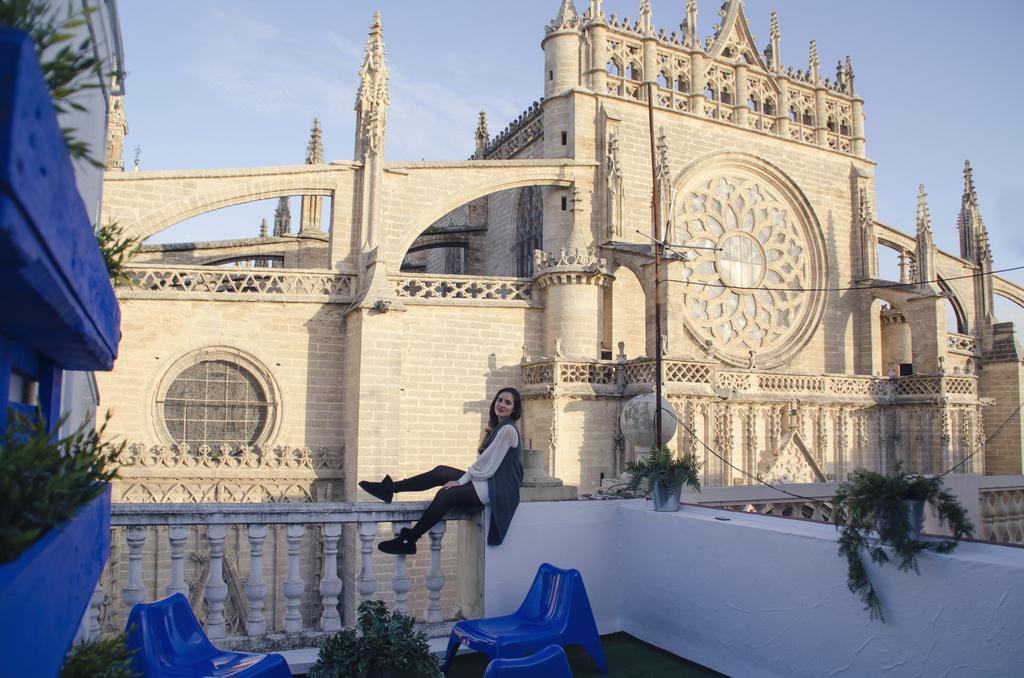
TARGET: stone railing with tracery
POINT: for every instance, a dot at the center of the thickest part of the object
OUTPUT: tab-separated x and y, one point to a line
688	373
215	282
267	575
186	474
489	290
517	135
1002	514
961	343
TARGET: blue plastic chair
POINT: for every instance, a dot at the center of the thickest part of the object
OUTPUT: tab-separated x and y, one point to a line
555	611
168	641
550	662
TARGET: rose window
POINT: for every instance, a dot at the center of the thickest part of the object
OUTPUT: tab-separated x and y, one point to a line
750	279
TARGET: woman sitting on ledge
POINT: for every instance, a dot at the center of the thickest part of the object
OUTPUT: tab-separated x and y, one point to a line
493	480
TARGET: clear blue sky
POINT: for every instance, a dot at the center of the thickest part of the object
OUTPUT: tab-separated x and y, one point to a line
237	84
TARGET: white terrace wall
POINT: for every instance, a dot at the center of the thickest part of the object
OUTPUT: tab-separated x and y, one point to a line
685	582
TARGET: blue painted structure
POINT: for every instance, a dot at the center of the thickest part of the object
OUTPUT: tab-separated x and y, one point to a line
57	306
556	610
57	312
168	641
550	662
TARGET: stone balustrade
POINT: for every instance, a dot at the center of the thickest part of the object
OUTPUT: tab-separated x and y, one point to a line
1002	514
697	376
470	289
283	584
218	282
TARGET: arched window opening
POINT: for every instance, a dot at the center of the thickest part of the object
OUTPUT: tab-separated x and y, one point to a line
726	96
529	229
634	72
754	105
808	118
615	68
844	129
831	124
709	93
682	85
769	106
663	81
793	115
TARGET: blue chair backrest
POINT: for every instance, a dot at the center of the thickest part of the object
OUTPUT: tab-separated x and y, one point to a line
167	633
555	594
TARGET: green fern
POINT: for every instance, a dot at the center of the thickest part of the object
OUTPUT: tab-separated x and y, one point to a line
663	468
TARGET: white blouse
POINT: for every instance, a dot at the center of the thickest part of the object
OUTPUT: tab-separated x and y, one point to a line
486	465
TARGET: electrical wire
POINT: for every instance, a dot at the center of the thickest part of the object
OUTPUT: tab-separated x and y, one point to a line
844	289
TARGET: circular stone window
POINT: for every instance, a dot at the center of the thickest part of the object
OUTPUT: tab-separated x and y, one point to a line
214	399
751	278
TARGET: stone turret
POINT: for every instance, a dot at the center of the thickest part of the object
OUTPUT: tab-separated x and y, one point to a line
561	47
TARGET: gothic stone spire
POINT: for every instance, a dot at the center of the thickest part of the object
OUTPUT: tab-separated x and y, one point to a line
814	63
974	245
925	268
372	99
282	217
315	149
773	53
481	135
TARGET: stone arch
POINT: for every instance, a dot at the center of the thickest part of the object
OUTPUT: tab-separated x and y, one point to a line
959	312
1010	293
437	210
174	197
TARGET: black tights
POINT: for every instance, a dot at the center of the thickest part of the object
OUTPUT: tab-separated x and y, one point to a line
455	497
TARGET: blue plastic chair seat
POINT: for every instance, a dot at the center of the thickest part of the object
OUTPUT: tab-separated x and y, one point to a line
550	662
169	642
556	610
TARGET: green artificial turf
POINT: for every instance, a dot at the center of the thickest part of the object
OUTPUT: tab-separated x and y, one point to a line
627	657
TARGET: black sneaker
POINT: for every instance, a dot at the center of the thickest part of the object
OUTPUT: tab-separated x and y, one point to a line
402	544
384	490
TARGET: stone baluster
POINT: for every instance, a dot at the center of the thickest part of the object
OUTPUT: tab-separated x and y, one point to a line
435	580
135	592
216	591
330	584
177	535
401	582
255	589
293	584
366	582
89	628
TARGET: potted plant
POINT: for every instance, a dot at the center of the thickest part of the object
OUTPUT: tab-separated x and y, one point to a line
383	645
664	475
891	506
54	537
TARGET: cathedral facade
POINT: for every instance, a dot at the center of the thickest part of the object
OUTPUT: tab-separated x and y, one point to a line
370	340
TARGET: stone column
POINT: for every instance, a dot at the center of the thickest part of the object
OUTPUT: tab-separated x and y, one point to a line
573	284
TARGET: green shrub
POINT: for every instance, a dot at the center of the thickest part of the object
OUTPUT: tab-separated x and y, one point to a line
661	467
382	644
110	658
45	479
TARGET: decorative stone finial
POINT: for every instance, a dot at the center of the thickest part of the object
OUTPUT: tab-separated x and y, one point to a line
263	228
315	148
814	63
772	52
646	18
117	129
689	25
372	99
924	268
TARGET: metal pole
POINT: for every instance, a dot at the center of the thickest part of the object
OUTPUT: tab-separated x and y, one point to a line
656	216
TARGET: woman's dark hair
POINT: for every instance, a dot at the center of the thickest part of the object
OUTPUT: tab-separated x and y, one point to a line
492	418
517	407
